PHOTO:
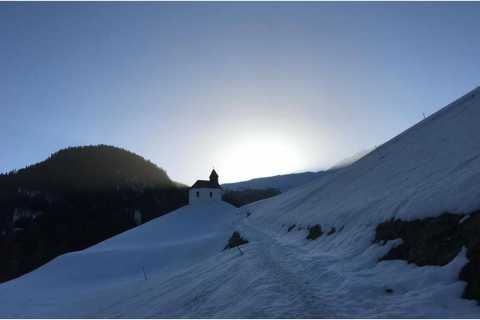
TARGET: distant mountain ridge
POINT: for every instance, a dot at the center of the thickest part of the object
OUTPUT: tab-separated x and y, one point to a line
282	182
286	182
96	167
350	160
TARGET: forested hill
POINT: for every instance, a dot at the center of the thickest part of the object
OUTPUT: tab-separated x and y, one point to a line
78	197
87	168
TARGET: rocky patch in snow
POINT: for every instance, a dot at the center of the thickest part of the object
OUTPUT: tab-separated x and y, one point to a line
437	241
314	232
235	241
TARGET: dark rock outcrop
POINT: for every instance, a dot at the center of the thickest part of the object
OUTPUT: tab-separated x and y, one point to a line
437	241
470	273
314	232
430	241
235	241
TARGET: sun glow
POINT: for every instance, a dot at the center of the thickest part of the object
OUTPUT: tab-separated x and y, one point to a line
260	156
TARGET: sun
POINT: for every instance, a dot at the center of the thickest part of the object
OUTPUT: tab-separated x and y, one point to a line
260	155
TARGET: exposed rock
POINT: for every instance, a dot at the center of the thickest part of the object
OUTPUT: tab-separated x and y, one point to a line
235	241
437	241
470	273
430	241
314	232
471	230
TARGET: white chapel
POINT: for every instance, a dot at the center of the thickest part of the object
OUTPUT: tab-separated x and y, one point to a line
206	190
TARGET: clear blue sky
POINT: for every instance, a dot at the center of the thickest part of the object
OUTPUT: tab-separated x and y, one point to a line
250	88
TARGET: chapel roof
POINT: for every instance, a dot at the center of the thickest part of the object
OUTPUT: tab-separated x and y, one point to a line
206	184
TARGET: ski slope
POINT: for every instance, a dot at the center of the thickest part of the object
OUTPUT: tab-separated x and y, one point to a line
430	168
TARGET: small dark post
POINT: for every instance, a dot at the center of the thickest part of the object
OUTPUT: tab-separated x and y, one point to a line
144	274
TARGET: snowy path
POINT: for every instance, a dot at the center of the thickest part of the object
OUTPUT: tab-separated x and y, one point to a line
271	279
278	277
302	284
289	274
308	283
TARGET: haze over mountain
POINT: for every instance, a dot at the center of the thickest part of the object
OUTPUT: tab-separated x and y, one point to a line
285	182
281	182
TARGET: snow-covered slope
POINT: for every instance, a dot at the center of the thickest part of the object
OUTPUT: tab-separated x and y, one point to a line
431	168
160	247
